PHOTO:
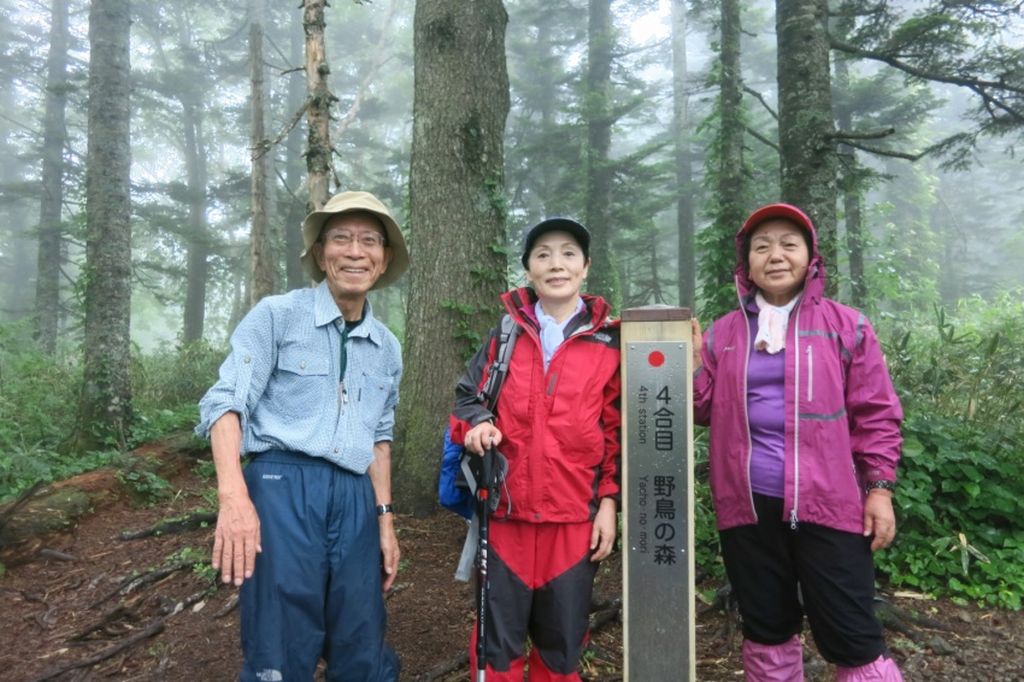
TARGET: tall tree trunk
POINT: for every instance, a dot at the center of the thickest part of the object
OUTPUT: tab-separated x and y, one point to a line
261	256
603	278
198	237
106	391
728	169
318	116
684	174
47	307
849	180
806	128
460	103
294	172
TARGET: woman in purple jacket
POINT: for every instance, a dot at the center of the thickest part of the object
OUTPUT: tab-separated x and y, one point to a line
804	442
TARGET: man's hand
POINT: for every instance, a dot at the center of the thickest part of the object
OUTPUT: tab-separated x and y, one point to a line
389	552
481	437
602	536
237	539
879	519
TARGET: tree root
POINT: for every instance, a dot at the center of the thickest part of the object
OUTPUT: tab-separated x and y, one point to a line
153	628
187	523
132	583
902	621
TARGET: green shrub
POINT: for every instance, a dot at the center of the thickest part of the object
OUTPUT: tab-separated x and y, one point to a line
959	510
39	398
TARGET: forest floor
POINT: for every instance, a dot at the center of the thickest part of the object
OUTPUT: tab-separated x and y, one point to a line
72	611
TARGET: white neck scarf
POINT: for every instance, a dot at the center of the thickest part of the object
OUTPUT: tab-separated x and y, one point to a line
772	323
552	332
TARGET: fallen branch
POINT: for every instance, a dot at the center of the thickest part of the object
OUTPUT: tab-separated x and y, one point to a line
190	522
606	615
132	583
111	617
48	553
400	587
154	628
230	606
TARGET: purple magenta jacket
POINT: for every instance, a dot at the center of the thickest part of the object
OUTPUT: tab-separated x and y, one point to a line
842	414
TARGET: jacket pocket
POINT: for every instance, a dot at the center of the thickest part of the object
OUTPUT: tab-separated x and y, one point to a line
810	373
371	397
298	385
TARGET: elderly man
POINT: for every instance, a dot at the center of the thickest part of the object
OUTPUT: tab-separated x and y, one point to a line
308	395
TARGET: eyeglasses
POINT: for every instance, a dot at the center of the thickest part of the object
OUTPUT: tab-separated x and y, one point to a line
367	240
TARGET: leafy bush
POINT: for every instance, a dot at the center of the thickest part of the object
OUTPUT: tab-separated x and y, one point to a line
39	398
960	520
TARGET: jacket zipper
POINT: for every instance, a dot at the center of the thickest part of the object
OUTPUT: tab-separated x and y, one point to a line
746	415
796	416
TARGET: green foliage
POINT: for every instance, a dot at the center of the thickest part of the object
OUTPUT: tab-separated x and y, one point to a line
205	469
174	376
38	415
147	486
705	531
466	323
199	558
959	504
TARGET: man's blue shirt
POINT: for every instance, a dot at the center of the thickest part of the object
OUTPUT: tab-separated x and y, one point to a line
281	377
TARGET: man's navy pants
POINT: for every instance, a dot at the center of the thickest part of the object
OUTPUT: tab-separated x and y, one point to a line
316	588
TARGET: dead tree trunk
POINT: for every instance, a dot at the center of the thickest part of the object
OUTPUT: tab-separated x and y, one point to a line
318	115
262	263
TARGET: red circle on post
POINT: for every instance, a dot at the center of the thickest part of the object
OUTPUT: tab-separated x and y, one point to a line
656	358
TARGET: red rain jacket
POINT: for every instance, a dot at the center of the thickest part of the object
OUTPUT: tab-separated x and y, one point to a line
560	428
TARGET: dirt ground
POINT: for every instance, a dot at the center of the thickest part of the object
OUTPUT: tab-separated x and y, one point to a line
71	613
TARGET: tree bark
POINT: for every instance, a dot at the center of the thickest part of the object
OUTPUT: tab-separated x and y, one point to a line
198	240
806	128
603	278
850	184
318	116
294	172
262	263
728	169
47	308
106	391
460	103
683	158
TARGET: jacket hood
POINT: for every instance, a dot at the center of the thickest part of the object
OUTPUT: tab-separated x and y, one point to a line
814	280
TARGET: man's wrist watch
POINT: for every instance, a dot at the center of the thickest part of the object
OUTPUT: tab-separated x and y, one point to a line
383	509
880	485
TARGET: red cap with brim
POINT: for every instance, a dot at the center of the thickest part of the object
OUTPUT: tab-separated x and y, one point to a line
787	211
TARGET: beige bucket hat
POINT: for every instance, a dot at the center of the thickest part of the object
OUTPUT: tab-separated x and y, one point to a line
345	202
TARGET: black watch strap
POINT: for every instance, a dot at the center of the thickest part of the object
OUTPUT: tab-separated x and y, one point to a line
383	509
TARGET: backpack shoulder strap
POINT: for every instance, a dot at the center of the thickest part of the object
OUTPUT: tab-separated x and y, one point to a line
508	330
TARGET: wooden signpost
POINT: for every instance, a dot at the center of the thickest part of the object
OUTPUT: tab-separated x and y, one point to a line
657	495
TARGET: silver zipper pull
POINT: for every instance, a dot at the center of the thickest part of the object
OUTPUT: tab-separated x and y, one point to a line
342	392
792	519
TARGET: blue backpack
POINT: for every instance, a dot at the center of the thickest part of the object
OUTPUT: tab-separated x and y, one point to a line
453	490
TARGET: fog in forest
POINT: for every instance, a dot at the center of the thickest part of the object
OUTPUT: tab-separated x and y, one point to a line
935	231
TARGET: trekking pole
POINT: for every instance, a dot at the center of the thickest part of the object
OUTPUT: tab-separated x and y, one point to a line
483	496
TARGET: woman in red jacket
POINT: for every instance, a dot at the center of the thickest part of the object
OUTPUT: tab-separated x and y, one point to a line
804	443
557	424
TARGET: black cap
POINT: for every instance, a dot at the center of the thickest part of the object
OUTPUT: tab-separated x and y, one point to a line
579	233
